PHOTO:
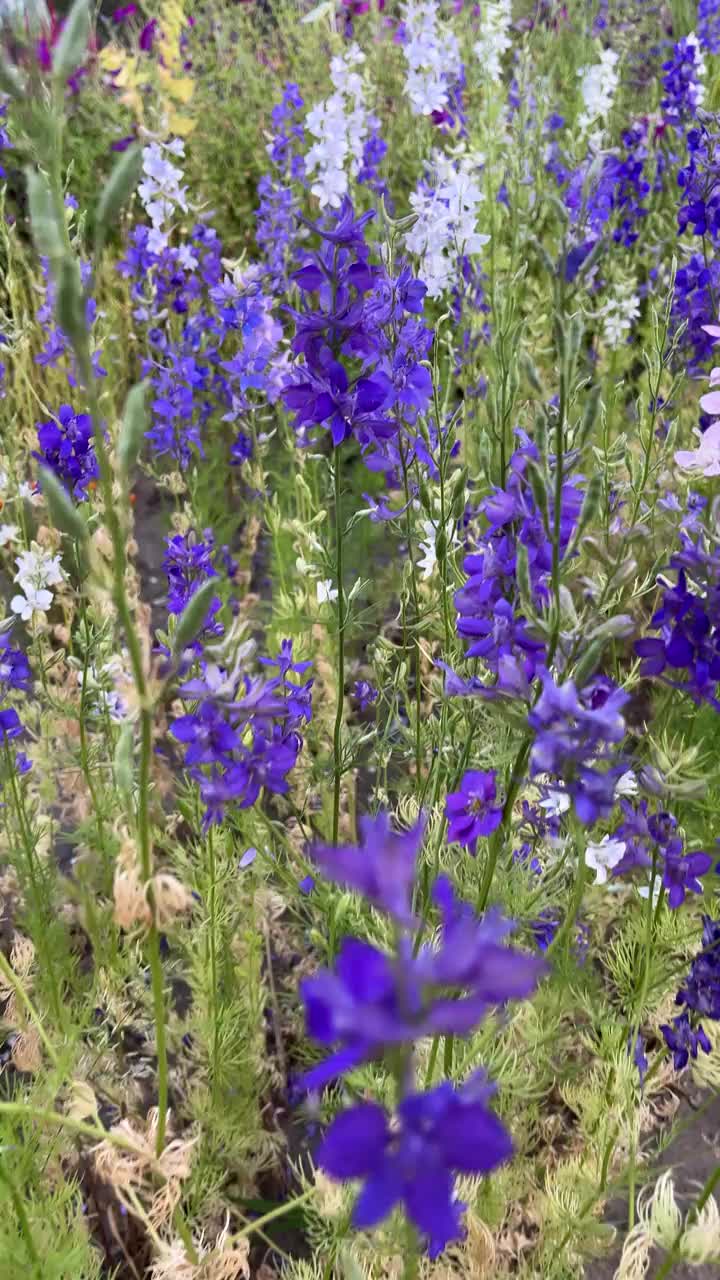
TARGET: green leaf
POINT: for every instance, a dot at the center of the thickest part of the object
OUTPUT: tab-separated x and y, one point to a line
46	230
11	81
117	191
123	759
63	514
71	48
132	429
70	301
193	615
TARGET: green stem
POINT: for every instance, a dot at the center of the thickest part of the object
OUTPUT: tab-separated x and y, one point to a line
337	731
416	622
214	993
22	994
496	843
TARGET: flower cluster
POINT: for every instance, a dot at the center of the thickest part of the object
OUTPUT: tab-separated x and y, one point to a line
242	734
445	230
432	53
37	571
493	38
359	347
654	838
14	678
686	653
490	616
575	731
683	86
276	215
700	996
161	189
339	126
374	1003
66	447
598	86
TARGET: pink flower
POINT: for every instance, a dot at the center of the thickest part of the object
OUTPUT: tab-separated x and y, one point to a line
706	458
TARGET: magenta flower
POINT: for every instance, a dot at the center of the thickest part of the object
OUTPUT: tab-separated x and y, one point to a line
472	811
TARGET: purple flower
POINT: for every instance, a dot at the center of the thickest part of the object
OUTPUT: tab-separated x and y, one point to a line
573	734
365	694
683	1040
66	447
10	725
382	869
472	811
436	1135
14	667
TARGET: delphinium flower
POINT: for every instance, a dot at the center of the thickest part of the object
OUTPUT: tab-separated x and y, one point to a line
161	189
276	215
575	736
473	811
37	571
686	653
188	563
241	736
708	25
494	38
699	179
446	229
14	667
365	693
682	81
57	345
697	285
375	1003
619	315
647	835
700	998
374	152
339	126
432	54
598	86
603	856
359	345
66	447
490	615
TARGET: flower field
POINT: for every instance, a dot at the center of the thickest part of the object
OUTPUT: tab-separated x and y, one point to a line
359	639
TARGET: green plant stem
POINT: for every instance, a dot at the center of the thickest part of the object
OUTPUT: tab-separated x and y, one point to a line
635	1028
337	731
279	1212
415	623
22	1218
37	892
20	991
212	943
563	938
496	843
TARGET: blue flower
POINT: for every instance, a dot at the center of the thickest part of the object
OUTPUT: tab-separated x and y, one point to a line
382	868
472	811
436	1135
66	447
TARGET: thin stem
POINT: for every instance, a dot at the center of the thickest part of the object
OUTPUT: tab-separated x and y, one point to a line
416	621
214	994
337	732
20	991
496	843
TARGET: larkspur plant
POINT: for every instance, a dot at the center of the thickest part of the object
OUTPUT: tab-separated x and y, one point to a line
360	647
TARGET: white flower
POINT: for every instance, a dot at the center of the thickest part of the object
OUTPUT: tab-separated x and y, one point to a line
326	592
8	533
556	803
26	491
38	568
446	226
494	41
602	857
339	126
598	85
427	546
706	458
432	54
34	600
619	315
626	785
160	190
